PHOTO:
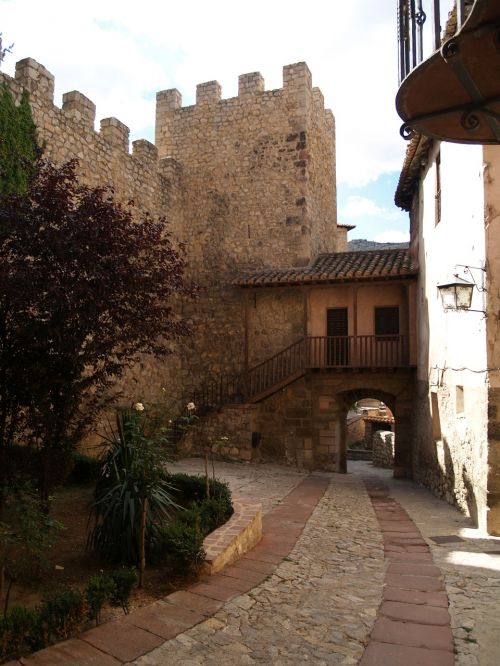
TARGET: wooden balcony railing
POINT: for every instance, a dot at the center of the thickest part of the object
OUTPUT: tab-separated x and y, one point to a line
308	353
362	351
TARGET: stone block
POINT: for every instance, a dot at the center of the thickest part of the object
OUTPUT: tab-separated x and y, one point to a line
35	78
79	108
115	133
208	93
250	84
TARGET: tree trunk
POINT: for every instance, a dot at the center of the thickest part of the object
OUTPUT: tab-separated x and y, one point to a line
7	596
142	555
207	482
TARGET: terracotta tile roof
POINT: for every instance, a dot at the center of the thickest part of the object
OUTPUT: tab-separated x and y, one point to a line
338	267
380	419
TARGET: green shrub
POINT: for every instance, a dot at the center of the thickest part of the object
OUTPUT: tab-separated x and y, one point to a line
191	488
187	488
20	632
62	613
124	579
85	469
99	590
180	545
132	472
213	514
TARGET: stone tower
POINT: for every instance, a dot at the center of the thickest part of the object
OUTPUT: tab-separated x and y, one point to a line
256	177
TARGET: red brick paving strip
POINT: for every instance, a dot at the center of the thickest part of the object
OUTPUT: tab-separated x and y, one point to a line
143	630
413	624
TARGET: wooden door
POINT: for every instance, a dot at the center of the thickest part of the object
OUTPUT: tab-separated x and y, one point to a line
337	327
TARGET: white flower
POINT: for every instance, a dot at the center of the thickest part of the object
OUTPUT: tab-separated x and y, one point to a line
138	406
190	406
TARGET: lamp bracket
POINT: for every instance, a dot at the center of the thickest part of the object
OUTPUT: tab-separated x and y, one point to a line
467	270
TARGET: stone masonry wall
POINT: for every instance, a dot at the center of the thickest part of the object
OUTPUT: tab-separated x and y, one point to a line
276	319
383	448
449	456
258	179
104	159
246	183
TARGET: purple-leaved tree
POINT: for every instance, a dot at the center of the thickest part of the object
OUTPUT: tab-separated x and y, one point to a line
86	285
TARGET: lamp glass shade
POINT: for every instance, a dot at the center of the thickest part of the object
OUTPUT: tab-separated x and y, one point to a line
456	295
464	296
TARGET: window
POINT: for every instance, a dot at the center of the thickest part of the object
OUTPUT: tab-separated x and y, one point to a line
459	400
438	188
387	321
436	420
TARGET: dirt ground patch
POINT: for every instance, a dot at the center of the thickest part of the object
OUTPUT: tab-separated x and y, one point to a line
72	565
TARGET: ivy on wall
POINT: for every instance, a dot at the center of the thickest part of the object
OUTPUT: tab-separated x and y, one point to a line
18	144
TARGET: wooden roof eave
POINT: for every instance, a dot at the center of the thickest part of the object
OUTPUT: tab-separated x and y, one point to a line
326	283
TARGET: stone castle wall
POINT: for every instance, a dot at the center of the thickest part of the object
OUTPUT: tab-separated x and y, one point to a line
245	182
104	159
258	184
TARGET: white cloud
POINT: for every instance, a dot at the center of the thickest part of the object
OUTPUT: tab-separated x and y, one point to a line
393	236
362	207
119	53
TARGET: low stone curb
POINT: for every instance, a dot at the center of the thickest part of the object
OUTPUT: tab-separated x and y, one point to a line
240	534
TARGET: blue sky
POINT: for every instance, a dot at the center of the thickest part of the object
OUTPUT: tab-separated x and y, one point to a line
119	53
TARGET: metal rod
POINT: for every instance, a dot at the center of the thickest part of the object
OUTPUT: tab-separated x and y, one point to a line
460	13
413	39
436	25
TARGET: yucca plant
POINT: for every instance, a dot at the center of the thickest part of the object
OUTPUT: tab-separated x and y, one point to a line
132	496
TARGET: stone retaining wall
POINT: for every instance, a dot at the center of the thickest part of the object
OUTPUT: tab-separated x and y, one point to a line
383	448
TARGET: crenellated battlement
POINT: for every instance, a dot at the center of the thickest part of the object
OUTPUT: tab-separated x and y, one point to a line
296	99
33	76
208	93
79	108
75	120
296	78
249	84
115	133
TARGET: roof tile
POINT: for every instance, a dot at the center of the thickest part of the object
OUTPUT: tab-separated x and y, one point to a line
338	267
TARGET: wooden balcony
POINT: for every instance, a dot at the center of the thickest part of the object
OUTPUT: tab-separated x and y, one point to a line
306	355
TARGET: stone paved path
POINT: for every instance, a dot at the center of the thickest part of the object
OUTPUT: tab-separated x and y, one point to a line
318	606
349	572
413	626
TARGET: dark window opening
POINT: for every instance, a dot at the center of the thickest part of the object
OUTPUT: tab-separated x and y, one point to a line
387	321
337	327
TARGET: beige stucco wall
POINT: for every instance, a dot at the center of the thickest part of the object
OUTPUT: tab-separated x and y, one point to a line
492	219
451	457
367	296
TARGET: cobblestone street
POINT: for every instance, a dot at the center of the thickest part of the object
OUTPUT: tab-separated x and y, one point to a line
321	603
351	569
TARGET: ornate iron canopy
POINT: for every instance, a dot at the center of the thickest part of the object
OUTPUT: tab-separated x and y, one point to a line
455	94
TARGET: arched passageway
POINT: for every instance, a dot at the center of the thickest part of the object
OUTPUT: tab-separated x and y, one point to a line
370	433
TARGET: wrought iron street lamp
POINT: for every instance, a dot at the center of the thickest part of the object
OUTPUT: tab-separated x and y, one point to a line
457	293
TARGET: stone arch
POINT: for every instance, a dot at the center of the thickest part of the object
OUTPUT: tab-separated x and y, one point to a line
345	400
332	394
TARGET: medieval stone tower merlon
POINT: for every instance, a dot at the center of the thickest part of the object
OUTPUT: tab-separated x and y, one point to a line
259	169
